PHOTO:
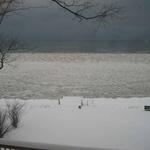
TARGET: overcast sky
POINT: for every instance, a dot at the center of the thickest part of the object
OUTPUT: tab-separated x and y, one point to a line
55	24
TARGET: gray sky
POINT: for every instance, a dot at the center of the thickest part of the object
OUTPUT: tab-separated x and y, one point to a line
55	24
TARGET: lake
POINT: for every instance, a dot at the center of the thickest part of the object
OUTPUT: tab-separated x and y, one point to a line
54	75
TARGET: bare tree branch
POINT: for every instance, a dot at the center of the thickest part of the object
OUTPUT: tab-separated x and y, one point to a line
7	45
9	6
78	9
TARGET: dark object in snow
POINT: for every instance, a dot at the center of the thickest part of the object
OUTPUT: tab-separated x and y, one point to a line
59	102
147	108
79	106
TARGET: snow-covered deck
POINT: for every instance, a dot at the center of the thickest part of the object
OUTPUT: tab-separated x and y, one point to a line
15	145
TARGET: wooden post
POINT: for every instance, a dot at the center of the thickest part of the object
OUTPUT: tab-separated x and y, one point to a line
59	103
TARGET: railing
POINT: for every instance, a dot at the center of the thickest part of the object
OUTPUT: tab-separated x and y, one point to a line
17	145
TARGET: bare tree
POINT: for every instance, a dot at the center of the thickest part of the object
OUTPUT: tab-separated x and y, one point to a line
7	45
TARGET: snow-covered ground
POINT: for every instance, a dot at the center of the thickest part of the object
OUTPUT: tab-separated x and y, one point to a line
101	123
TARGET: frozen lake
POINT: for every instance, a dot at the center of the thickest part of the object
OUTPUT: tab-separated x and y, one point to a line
45	75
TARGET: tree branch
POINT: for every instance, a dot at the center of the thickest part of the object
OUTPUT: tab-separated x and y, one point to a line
105	11
9	6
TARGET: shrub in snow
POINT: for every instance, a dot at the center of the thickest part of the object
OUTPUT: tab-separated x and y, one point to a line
15	112
5	125
79	106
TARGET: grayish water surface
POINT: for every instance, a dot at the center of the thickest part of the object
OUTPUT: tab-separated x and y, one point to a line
36	76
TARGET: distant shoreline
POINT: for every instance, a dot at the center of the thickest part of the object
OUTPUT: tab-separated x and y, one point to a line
102	52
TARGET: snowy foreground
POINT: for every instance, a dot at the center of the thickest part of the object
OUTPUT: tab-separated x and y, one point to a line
101	123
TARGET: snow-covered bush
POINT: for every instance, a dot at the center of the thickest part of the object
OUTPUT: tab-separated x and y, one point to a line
15	111
5	125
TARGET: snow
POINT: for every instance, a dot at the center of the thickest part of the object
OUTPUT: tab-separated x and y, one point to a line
101	123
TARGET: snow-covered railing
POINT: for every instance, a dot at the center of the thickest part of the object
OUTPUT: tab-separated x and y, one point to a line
18	145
